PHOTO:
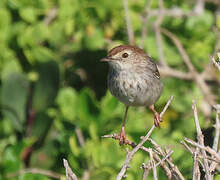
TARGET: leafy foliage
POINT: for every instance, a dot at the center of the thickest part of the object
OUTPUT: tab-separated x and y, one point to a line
52	84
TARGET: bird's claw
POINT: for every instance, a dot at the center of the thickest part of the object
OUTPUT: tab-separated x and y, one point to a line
157	119
122	137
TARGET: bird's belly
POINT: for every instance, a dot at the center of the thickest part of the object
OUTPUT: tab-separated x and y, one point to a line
134	90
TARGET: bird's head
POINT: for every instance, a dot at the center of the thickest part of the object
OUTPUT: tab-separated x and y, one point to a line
125	56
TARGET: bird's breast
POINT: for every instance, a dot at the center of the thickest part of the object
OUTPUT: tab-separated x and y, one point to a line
134	89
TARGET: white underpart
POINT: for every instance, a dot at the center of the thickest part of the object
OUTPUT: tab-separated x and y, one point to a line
133	88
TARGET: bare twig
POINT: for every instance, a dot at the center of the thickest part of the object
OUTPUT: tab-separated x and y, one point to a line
192	152
199	7
167	71
128	23
158	35
50	17
136	148
131	154
206	148
144	22
217	2
164	166
174	12
208	96
217	64
146	168
153	164
35	171
165	158
216	139
217	132
196	171
177	12
161	12
187	147
69	173
80	137
170	72
200	139
176	173
155	156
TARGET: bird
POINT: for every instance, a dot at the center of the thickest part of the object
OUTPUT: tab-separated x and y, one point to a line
134	79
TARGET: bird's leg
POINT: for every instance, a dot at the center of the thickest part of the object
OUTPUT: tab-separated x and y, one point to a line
122	136
157	118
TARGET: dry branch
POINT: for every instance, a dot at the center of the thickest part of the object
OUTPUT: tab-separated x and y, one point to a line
206	148
196	171
132	153
157	25
69	173
200	139
210	156
153	164
216	139
35	171
208	96
138	146
51	16
174	169
217	64
128	23
192	152
146	168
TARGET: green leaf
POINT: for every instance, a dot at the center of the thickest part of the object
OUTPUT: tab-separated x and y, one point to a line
67	101
42	54
87	105
14	98
10	67
74	146
28	14
41	127
45	89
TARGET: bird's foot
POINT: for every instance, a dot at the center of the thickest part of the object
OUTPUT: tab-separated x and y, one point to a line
122	137
157	119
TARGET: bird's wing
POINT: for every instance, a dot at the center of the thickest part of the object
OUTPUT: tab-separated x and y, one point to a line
153	67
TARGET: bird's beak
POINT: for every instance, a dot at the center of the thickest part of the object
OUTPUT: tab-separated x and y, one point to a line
106	59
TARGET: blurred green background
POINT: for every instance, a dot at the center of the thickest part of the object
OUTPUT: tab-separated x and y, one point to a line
53	91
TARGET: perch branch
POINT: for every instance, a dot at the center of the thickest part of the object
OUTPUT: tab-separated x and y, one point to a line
136	148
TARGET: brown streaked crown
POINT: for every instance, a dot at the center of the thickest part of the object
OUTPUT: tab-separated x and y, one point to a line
120	48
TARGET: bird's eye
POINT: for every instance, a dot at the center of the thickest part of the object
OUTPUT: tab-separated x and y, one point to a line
124	55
